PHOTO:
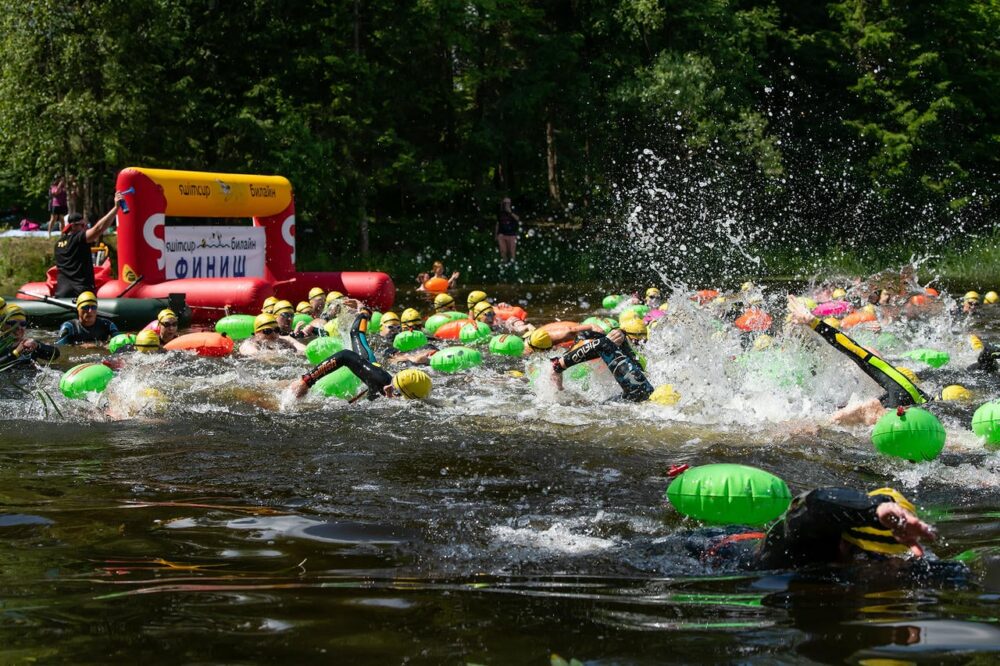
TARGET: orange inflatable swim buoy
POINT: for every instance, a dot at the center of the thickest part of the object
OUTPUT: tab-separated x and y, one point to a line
451	330
753	320
919	300
931	291
504	311
436	284
705	295
858	317
208	343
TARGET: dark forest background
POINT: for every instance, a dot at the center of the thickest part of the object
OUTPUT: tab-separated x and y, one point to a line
401	124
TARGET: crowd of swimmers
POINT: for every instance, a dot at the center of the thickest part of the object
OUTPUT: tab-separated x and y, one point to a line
822	525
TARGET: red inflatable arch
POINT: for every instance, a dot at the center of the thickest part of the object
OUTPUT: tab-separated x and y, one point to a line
235	266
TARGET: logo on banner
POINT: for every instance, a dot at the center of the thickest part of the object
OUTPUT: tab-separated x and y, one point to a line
214	252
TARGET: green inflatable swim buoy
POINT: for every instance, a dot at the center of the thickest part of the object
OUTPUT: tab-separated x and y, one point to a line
606	323
323	348
506	345
85	378
913	434
639	309
301	318
119	341
611	301
409	340
931	357
236	326
729	494
474	334
341	383
434	322
986	423
456	359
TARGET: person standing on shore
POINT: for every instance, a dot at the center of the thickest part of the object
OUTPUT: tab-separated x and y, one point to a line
58	206
506	230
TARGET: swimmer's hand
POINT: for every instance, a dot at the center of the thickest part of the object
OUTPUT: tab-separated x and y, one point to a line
299	388
906	527
799	312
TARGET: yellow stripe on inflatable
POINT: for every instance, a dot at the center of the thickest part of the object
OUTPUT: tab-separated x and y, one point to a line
203	194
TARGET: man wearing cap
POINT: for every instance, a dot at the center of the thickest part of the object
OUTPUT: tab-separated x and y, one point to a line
87	328
76	268
15	345
267	337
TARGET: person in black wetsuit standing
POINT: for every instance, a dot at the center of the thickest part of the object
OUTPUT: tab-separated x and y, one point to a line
76	268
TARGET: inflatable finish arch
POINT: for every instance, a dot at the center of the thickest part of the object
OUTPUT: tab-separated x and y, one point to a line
219	280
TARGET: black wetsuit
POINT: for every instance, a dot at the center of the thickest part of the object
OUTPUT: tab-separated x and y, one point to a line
621	361
74	332
42	351
809	533
988	360
899	391
360	361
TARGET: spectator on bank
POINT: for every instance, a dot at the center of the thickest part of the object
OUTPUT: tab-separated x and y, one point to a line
506	230
58	201
76	268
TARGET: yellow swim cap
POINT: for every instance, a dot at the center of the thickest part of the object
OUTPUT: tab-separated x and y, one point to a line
956	392
538	339
839	293
389	318
283	307
13	312
628	315
410	317
333	295
3	304
264	320
762	342
303	307
870	309
268	306
634	328
442	302
475	297
412	383
908	373
316	291
876	539
746	286
652	292
665	395
481	310
86	298
991	297
975	342
832	322
147	341
166	314
972	296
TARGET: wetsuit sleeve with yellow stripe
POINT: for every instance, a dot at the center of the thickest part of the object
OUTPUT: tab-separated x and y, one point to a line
900	391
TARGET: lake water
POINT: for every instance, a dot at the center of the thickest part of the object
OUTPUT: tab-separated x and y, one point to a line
500	522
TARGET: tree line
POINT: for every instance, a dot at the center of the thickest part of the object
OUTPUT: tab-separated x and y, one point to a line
380	110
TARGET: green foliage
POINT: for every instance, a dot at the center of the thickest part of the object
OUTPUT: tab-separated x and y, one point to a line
380	112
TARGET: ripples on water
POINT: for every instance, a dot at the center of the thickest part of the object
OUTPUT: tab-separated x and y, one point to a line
496	523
